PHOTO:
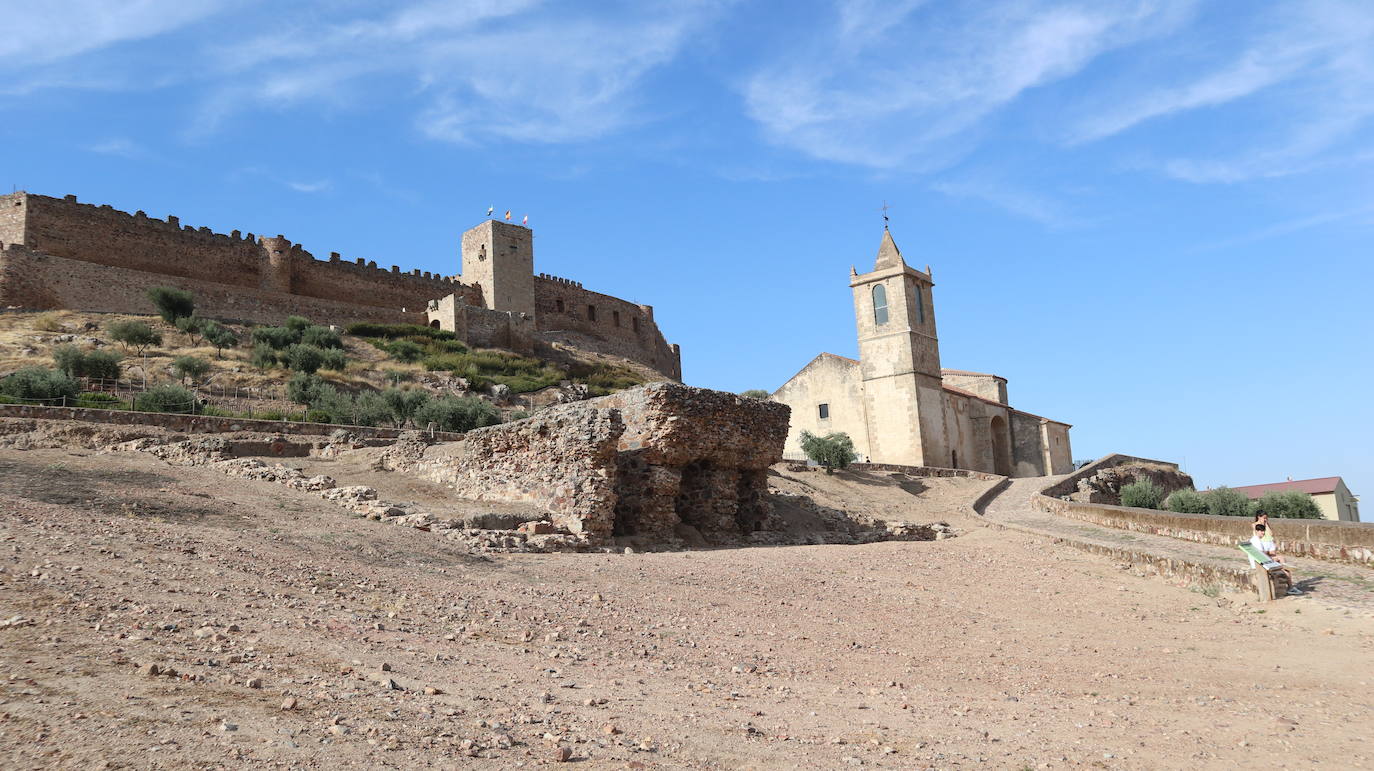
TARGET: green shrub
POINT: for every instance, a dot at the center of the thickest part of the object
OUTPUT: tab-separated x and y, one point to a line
79	363
831	451
297	323
134	334
99	400
304	388
452	413
1223	501
1289	504
1142	494
39	383
1186	502
210	409
334	359
370	409
303	358
318	416
69	359
103	365
264	357
394	376
277	338
172	303
321	337
190	367
393	331
403	403
405	350
192	326
166	398
755	393
219	336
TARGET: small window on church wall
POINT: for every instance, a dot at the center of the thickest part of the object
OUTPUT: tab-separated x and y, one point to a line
920	306
824	411
880	305
591	313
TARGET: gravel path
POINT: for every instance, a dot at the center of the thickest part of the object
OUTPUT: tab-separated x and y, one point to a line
1331	585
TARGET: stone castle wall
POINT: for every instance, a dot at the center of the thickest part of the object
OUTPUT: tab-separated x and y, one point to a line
37	281
141	251
608	324
101	235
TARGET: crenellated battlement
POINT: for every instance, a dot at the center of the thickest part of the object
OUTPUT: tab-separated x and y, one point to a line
564	281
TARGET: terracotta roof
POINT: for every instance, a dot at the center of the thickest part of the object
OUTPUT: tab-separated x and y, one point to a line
966	372
1309	486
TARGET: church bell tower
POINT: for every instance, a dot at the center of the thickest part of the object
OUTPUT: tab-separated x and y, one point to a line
899	354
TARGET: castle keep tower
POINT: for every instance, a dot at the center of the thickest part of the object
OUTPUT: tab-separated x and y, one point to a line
499	257
899	354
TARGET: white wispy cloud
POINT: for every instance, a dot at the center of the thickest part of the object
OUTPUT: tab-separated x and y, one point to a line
912	96
318	186
518	69
1313	64
45	32
1359	214
119	146
1033	205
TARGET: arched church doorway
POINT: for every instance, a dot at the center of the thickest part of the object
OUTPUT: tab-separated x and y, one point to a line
434	323
1001	446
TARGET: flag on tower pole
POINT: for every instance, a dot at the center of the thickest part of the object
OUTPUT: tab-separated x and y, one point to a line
490	209
507	215
526	220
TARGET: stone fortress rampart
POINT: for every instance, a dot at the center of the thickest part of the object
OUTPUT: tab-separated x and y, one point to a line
61	253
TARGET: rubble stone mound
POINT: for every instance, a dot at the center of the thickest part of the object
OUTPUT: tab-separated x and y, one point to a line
1105	485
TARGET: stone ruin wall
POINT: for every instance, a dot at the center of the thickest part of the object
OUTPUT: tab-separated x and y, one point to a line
692	459
166	250
561	460
662	462
620	328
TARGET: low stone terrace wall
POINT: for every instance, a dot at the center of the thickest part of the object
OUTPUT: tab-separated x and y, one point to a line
1351	542
201	424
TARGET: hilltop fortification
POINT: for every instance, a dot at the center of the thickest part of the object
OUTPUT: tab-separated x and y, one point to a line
60	253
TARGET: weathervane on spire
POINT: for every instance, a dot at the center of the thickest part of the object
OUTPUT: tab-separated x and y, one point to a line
884	211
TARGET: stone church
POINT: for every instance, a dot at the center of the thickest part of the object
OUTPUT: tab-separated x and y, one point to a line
899	406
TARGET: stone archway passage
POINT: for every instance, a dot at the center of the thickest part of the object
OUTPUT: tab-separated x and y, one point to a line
1001	446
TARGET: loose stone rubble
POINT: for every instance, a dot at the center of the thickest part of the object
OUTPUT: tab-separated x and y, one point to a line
360	500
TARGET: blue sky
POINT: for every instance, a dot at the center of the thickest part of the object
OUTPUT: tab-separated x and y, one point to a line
1153	217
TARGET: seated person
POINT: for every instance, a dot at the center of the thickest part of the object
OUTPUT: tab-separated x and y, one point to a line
1263	540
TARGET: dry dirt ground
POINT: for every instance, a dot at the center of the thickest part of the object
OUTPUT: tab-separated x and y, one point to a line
301	637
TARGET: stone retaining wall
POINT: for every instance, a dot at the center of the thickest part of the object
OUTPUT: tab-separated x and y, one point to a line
1351	542
926	471
200	424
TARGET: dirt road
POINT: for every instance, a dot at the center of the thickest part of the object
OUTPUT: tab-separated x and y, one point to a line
389	648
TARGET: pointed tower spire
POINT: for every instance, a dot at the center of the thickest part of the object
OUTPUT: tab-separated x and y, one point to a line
889	256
